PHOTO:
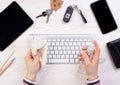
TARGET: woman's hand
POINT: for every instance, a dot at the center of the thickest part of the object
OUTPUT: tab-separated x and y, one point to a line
33	65
91	62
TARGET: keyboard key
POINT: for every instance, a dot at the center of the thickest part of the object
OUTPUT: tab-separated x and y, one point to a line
54	56
70	43
83	43
85	40
61	43
67	56
57	43
65	52
66	43
61	52
73	52
58	56
78	43
77	52
59	47
55	47
71	40
53	43
74	43
58	40
76	48
49	56
63	47
72	48
51	47
75	56
77	61
71	56
69	52
63	56
67	40
58	61
88	43
52	52
56	52
68	48
71	60
48	43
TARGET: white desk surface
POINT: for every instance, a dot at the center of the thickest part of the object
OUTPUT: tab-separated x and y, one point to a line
107	72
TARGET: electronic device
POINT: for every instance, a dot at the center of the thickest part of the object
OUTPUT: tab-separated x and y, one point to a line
114	49
64	49
68	14
103	16
13	22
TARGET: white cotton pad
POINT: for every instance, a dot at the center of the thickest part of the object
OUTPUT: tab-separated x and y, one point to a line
90	49
38	43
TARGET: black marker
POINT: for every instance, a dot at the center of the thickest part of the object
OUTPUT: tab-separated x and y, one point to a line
85	21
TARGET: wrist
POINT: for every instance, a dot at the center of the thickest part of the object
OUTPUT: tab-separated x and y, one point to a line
92	77
31	77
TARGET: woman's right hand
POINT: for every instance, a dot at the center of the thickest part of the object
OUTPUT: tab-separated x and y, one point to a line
91	64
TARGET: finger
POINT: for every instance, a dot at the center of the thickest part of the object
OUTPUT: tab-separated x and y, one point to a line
81	59
39	54
85	58
38	57
79	56
97	51
85	48
29	55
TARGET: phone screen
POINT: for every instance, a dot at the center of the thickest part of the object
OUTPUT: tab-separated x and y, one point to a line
103	16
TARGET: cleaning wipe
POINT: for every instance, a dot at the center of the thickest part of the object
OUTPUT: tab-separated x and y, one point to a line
90	49
39	43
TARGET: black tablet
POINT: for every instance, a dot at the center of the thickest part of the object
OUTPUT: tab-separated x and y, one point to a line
13	22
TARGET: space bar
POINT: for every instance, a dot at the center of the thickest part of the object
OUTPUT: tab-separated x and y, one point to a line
58	61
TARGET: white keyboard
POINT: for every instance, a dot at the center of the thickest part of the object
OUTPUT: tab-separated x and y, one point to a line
64	49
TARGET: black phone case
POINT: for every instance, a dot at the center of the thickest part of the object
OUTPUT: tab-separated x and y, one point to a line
103	16
114	49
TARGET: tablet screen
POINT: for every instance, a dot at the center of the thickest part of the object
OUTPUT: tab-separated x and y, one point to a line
13	22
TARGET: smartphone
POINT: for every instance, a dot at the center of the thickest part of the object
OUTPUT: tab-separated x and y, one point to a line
103	16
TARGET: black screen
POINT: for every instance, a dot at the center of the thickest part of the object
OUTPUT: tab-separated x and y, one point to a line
13	22
103	16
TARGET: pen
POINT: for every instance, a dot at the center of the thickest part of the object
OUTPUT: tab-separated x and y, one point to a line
7	60
85	21
6	66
